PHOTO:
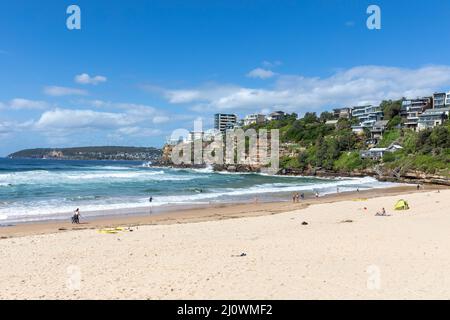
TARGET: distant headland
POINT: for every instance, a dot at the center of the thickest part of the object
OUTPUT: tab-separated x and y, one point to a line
91	153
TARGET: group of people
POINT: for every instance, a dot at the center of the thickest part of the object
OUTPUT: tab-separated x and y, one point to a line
296	197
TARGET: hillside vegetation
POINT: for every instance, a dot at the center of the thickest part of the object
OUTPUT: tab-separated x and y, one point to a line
318	145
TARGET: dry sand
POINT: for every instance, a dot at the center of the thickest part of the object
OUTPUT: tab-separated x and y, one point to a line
344	252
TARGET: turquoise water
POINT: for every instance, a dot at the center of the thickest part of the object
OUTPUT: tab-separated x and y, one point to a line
33	190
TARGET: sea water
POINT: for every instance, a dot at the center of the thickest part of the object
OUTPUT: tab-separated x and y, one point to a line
36	189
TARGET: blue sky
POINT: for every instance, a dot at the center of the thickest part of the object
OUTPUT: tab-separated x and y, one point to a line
139	69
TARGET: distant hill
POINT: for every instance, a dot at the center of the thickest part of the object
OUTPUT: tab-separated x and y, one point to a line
91	153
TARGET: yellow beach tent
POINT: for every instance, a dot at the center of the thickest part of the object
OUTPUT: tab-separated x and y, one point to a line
401	205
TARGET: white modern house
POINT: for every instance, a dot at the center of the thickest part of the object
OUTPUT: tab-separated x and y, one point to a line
439	99
367	117
254	118
333	122
432	118
277	115
378	153
447	99
342	113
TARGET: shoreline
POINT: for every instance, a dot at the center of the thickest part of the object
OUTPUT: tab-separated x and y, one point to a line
333	248
185	214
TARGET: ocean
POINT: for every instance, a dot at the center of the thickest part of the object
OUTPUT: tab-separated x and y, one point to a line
37	190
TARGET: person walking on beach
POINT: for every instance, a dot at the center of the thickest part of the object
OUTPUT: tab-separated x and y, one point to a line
150	200
317	194
302	196
293	198
76	216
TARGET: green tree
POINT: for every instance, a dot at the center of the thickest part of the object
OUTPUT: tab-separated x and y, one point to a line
325	116
394	122
440	137
391	108
310	117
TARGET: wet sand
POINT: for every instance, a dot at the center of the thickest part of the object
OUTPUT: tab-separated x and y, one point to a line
142	216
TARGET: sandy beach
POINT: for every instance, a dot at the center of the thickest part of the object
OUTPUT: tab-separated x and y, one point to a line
331	248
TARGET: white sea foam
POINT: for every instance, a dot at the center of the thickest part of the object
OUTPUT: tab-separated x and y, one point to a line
147	164
55	177
44	209
5	184
208	169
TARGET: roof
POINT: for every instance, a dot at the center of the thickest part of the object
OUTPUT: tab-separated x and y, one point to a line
395	146
377	149
381	123
278	112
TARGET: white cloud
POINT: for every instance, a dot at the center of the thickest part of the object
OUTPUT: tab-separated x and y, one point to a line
56	91
138	131
9	127
260	73
133	120
204	93
85	78
180	96
160	119
130	107
81	119
363	84
6	128
20	104
98	103
134	108
140	111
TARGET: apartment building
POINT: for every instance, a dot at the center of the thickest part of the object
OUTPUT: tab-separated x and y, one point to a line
439	100
413	108
224	121
367	116
359	111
